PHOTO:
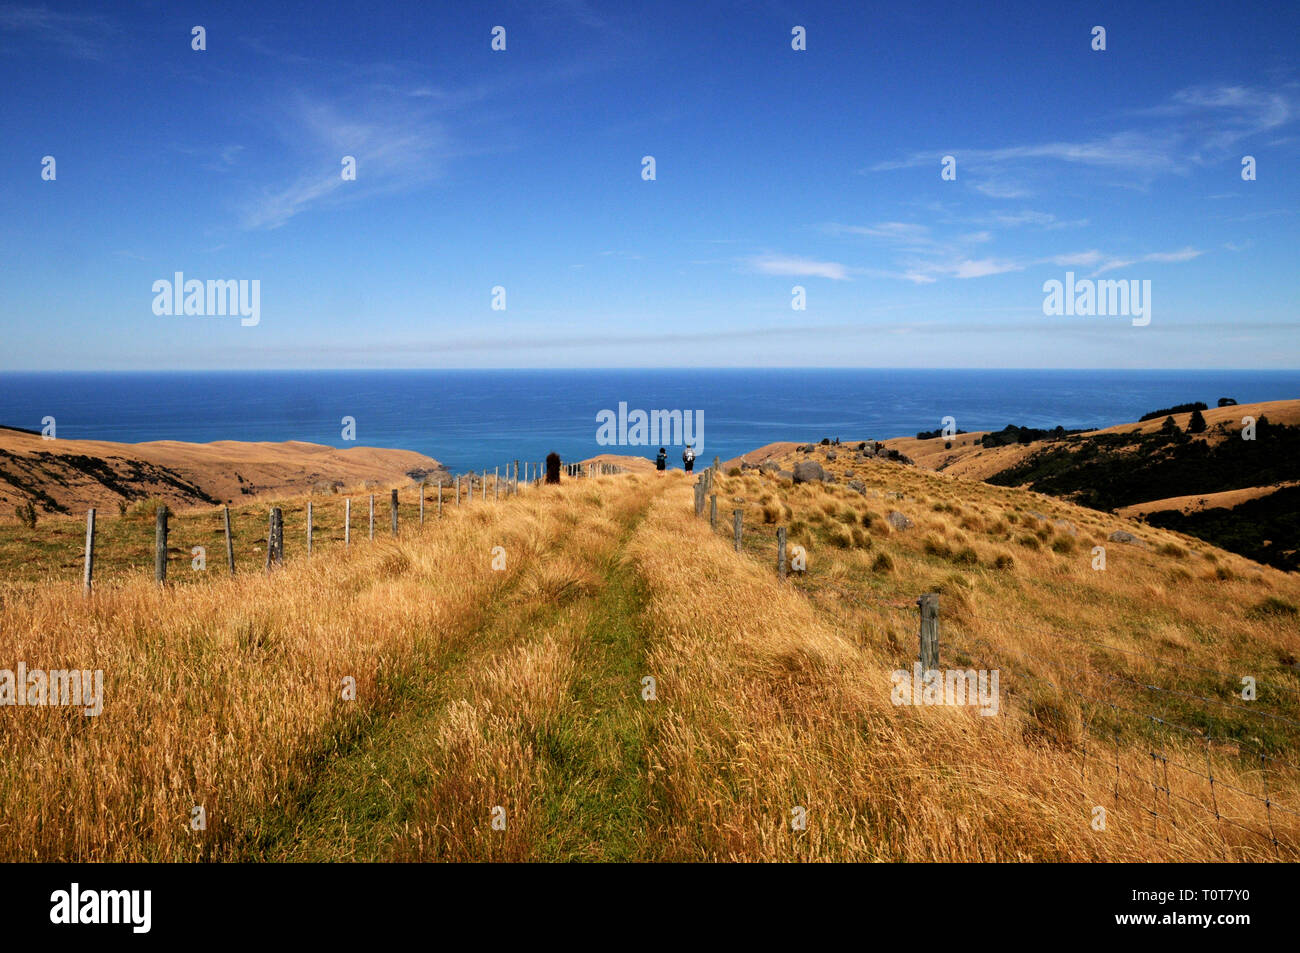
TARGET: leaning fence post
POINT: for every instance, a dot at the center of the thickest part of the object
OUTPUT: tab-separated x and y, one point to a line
308	527
347	522
713	511
780	552
929	604
394	512
737	515
90	550
160	545
230	545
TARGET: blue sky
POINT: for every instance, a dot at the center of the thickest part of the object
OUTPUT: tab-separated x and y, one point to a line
775	168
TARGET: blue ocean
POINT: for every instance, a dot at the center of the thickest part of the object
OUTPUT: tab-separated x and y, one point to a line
474	419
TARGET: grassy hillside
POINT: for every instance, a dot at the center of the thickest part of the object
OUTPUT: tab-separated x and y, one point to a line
522	688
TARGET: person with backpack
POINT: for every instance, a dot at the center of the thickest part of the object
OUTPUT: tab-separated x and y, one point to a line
661	461
688	458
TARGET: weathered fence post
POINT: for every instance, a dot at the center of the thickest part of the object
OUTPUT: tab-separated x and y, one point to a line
90	550
439	499
347	522
394	512
309	528
713	511
275	539
780	552
699	497
458	490
496	483
552	467
737	515
929	604
421	502
230	543
372	516
160	545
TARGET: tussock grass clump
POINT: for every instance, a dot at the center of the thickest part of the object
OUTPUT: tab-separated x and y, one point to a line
1272	607
882	564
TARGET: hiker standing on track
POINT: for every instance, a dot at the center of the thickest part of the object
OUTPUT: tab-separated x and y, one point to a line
688	458
661	461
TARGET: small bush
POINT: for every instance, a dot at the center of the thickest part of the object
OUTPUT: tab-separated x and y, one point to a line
882	564
1172	549
26	514
1004	561
1028	541
966	556
860	538
734	471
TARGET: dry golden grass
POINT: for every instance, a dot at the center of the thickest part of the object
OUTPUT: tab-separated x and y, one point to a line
522	689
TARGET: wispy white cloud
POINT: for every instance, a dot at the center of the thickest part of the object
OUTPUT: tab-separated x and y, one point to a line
83	36
396	147
795	266
1197	126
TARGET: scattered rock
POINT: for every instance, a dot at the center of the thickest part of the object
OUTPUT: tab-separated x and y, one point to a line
808	471
859	486
898	520
1124	536
784	475
767	466
830	455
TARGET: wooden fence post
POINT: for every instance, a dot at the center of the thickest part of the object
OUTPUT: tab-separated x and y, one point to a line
90	551
737	515
780	552
699	498
160	545
372	516
458	490
496	483
439	499
347	522
713	511
421	502
308	527
230	543
929	604
275	539
394	512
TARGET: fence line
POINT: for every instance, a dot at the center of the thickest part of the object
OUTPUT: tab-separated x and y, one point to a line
275	543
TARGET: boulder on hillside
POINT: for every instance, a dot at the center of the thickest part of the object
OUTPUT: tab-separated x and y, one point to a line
809	471
784	475
767	466
898	520
858	486
830	455
1124	536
